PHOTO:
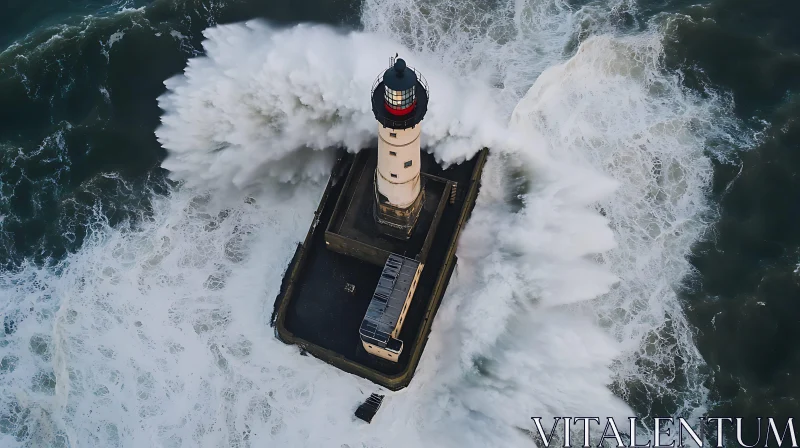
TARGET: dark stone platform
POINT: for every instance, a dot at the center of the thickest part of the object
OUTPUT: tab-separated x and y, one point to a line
314	310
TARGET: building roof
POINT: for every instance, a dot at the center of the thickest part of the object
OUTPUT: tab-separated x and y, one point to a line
388	300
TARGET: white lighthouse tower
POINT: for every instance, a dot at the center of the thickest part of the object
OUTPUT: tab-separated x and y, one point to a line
399	102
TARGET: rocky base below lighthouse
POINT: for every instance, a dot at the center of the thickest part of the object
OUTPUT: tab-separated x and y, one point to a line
395	221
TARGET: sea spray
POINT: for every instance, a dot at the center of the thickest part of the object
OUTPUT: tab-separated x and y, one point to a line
240	115
612	107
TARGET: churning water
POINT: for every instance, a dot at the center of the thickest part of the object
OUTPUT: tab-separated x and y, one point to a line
155	330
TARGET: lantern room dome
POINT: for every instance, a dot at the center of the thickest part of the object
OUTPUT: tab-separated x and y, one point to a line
399	77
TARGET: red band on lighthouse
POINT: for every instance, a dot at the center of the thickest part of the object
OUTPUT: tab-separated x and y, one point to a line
400	111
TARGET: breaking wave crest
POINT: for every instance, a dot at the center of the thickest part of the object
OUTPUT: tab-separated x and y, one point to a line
267	103
157	332
613	108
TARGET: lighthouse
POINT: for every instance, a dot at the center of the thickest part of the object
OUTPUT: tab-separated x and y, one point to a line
399	103
381	248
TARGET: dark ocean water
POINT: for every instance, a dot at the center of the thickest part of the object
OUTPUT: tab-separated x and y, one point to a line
78	111
746	302
77	105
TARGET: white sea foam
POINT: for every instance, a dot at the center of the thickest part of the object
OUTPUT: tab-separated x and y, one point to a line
654	143
273	110
156	334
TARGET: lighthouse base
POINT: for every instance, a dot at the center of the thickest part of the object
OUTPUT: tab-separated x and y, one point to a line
354	231
319	310
395	221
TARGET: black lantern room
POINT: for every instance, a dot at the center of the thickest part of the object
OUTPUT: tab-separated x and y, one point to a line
400	97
